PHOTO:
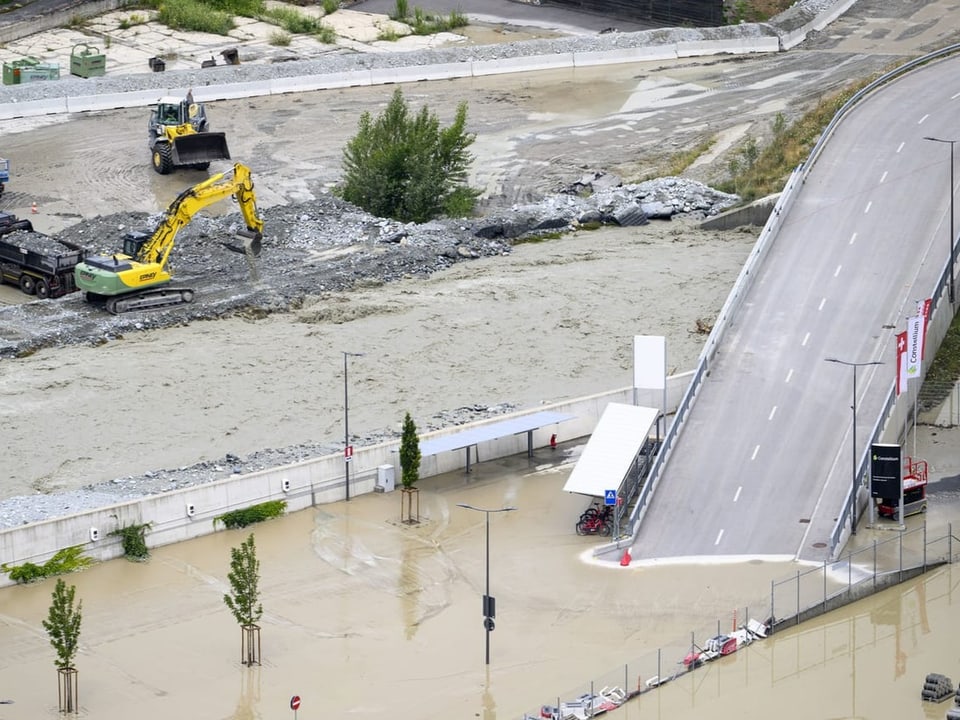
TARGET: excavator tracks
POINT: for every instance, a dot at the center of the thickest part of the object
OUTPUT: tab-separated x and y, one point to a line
154	299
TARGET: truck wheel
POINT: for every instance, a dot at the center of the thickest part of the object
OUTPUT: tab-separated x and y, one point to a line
162	158
42	289
27	285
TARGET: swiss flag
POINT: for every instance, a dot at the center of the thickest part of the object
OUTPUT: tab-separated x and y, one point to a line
901	362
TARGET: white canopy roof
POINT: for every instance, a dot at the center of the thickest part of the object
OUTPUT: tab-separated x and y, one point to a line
492	431
612	448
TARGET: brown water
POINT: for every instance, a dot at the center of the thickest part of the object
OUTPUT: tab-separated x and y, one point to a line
368	617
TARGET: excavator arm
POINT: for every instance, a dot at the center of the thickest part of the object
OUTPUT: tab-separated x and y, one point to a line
137	278
237	182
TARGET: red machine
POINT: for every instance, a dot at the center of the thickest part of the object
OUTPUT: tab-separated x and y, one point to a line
914	492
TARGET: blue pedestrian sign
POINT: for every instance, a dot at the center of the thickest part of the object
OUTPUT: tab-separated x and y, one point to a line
609	497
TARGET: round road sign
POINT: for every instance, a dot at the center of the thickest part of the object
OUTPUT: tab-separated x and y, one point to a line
295	702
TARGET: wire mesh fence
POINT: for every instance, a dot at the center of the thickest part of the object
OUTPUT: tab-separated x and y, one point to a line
812	591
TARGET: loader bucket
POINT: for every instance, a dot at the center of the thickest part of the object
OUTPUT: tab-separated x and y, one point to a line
196	148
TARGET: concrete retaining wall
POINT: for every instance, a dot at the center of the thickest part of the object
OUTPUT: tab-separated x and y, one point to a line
190	512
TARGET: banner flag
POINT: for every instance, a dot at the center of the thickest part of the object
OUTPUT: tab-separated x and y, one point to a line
923	310
901	362
914	345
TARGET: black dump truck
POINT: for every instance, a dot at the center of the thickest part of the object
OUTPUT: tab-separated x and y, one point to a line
39	264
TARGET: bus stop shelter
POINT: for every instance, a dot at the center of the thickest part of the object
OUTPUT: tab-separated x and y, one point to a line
466	439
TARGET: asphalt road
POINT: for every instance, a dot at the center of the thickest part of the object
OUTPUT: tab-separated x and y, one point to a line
764	463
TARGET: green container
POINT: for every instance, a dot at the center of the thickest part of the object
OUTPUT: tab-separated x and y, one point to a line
88	62
43	71
12	71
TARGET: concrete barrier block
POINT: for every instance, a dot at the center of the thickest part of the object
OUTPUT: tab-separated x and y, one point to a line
521	64
418	73
352	78
33	108
626	55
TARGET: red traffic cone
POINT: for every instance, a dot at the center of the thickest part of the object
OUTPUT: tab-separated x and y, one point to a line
625	560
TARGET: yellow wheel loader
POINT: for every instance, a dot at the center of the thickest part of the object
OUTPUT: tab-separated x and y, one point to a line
180	137
137	278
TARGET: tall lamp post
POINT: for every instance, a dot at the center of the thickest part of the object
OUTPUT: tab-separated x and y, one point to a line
489	603
853	491
951	143
347	449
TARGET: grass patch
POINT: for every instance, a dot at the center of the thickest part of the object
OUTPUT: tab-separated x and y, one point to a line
945	368
757	172
132	21
279	38
681	161
67	560
253	514
326	34
292	21
330	6
193	16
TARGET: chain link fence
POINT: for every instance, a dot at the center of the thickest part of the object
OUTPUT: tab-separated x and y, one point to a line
808	594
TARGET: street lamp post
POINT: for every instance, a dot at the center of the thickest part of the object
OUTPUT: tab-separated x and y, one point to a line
347	450
951	143
489	604
853	492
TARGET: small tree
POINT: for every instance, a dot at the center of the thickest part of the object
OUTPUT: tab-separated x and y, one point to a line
63	627
244	599
408	168
409	470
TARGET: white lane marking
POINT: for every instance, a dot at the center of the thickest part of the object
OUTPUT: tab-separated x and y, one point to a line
805	338
737	496
900	147
823	301
867	209
920	121
853	238
884	176
837	271
772	413
719	535
755	451
789	375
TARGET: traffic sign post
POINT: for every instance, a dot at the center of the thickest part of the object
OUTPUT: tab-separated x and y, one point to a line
348	453
609	497
295	705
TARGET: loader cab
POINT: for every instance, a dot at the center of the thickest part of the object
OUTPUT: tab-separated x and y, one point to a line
169	113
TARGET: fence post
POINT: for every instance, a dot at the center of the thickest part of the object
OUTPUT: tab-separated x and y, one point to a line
900	572
659	672
798	597
874	564
626	679
773	617
924	543
824	586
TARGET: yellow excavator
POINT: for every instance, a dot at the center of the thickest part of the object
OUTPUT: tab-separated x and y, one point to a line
137	278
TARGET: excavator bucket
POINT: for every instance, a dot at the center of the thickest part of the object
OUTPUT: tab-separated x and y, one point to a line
250	244
196	148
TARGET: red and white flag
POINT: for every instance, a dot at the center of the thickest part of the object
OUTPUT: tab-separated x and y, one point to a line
923	310
901	362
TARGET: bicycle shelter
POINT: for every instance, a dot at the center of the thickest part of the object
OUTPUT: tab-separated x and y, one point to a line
467	439
612	454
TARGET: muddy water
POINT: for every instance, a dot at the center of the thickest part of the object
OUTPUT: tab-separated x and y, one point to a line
369	617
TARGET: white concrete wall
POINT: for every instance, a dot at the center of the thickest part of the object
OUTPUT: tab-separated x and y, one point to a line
308	483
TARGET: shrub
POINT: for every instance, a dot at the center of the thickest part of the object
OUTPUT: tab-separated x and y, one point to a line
401	10
253	514
292	21
67	560
406	167
134	541
330	6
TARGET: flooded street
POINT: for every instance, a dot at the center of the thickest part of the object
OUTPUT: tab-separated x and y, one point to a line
368	617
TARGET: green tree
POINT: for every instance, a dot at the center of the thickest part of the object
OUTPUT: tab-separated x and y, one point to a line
244	577
409	453
63	624
244	598
63	628
407	167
